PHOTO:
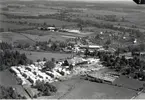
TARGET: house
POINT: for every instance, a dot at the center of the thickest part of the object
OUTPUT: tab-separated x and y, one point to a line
15	70
65	72
92	60
50	74
46	76
22	79
56	74
32	80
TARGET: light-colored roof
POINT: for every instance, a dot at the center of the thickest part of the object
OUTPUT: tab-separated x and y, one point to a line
90	46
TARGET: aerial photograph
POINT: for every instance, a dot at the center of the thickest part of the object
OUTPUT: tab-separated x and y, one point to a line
72	49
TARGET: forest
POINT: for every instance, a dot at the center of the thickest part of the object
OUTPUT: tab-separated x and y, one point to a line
132	67
9	93
10	58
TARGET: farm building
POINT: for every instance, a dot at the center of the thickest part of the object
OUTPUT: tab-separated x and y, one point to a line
104	77
90	46
70	31
48	28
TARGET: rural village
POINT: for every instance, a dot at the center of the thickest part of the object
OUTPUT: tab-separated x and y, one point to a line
71	50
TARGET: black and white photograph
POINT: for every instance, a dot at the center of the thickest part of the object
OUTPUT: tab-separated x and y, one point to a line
72	49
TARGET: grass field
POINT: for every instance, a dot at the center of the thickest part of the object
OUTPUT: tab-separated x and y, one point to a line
7	79
11	37
40	32
48	21
38	35
23	37
104	12
141	96
32	11
40	55
87	90
7	26
45	37
80	89
129	83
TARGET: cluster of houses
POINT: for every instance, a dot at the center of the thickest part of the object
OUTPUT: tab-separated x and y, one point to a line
30	74
91	48
33	73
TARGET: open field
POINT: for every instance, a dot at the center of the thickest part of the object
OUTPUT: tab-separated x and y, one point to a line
38	35
7	26
80	89
141	96
87	90
104	12
56	22
31	11
23	37
40	32
48	21
11	37
129	83
7	79
45	37
40	55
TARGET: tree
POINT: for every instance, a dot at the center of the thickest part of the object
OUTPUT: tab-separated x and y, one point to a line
65	63
80	26
38	60
44	23
54	46
86	52
9	93
53	60
108	42
49	65
44	59
71	67
12	58
46	88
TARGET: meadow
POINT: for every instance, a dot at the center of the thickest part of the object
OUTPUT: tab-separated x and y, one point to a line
11	26
77	88
8	79
48	55
11	37
87	90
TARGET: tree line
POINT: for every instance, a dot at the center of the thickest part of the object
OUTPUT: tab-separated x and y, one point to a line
12	58
132	67
45	89
9	93
5	46
46	46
